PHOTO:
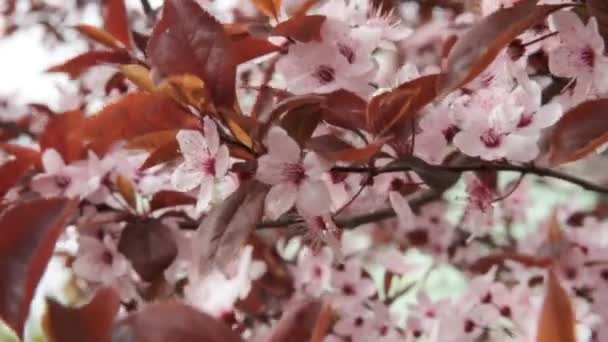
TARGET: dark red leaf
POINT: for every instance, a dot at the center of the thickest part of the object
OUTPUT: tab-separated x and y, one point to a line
297	322
134	115
250	47
118	81
81	63
344	109
162	322
301	28
168	198
91	322
301	122
150	247
579	132
396	108
188	40
116	21
29	231
11	172
62	134
163	154
599	10
227	226
557	320
484	264
478	47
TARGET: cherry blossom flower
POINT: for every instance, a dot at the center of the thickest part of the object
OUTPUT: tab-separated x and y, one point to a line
59	179
580	55
202	292
206	161
351	286
313	272
357	324
490	137
99	262
294	180
479	212
346	64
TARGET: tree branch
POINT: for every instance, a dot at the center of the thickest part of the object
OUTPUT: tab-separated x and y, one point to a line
525	169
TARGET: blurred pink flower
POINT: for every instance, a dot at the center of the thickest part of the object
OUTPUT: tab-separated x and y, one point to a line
205	162
294	180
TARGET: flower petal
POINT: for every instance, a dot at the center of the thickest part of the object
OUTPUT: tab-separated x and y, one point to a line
191	143
270	169
205	194
279	199
52	161
313	198
282	146
187	176
211	136
402	208
222	161
315	165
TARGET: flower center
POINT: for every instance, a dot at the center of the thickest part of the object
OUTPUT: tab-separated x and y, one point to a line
347	52
588	56
107	258
325	74
525	120
209	166
490	138
294	173
450	132
62	181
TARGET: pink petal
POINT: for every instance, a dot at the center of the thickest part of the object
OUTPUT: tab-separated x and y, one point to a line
45	185
222	161
315	165
205	193
187	176
313	198
282	146
191	143
211	135
405	215
279	199
52	161
270	169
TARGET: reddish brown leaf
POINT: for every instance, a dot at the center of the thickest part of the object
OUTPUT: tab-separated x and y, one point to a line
323	324
163	154
477	48
152	141
116	21
168	321
22	152
91	322
250	47
304	28
11	172
134	115
271	8
29	232
484	264
344	109
62	134
557	320
286	105
395	108
301	122
168	198
150	247
81	63
188	40
327	143
599	10
100	35
223	231
356	154
579	132
297	322
127	190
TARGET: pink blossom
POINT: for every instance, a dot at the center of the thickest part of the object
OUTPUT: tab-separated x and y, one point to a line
479	212
59	179
206	161
294	180
580	55
202	290
351	286
313	271
356	324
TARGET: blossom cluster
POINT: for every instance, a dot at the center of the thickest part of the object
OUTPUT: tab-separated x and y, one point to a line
307	170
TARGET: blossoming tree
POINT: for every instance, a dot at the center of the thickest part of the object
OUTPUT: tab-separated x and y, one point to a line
263	170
